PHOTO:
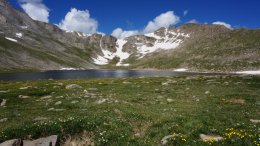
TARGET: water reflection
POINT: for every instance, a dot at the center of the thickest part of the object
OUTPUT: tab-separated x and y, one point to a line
79	74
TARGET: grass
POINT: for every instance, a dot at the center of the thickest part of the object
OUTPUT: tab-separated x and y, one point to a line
135	111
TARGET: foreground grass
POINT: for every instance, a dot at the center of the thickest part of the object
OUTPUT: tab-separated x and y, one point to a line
134	111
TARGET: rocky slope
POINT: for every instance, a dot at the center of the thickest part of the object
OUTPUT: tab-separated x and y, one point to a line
30	44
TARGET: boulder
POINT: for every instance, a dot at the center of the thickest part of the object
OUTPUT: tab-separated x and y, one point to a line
12	142
73	86
46	141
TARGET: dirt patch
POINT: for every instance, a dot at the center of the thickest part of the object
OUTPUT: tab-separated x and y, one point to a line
237	101
139	128
83	139
210	137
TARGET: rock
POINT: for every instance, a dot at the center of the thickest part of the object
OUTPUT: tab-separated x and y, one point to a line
101	101
23	96
207	92
58	103
24	88
59	84
137	135
74	101
207	138
73	86
58	97
169	100
165	84
12	142
4	91
254	121
40	119
46	97
56	87
46	141
92	89
57	110
51	109
164	140
126	82
237	101
3	102
3	120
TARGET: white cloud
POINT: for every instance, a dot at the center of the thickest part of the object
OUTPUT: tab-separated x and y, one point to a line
163	20
193	21
77	20
120	33
223	23
35	9
185	12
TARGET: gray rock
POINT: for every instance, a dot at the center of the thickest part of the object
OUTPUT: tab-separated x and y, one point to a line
73	86
46	97
46	141
23	96
58	97
58	103
4	91
207	92
92	89
24	88
3	102
3	120
74	101
40	119
169	100
12	142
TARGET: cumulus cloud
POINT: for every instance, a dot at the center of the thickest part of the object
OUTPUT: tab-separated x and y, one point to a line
163	20
78	20
35	9
185	12
120	33
223	23
193	21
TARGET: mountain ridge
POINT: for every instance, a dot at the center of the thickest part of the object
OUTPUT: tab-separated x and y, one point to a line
31	44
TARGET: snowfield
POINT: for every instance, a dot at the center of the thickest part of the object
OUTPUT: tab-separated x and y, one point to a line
250	72
11	39
19	35
180	69
170	40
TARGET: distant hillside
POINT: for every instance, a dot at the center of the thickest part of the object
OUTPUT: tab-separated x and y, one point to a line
32	45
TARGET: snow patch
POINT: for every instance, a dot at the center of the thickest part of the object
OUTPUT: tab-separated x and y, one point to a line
164	43
100	60
11	39
19	35
180	69
250	72
107	55
119	53
68	68
24	27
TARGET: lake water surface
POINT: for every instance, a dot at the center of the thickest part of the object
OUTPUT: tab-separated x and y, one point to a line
82	74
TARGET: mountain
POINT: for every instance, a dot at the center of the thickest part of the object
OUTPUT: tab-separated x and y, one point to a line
30	44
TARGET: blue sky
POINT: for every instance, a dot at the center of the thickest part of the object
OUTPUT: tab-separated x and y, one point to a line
107	15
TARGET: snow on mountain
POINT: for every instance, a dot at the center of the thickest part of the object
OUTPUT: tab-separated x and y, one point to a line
169	39
11	39
19	35
165	43
107	55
